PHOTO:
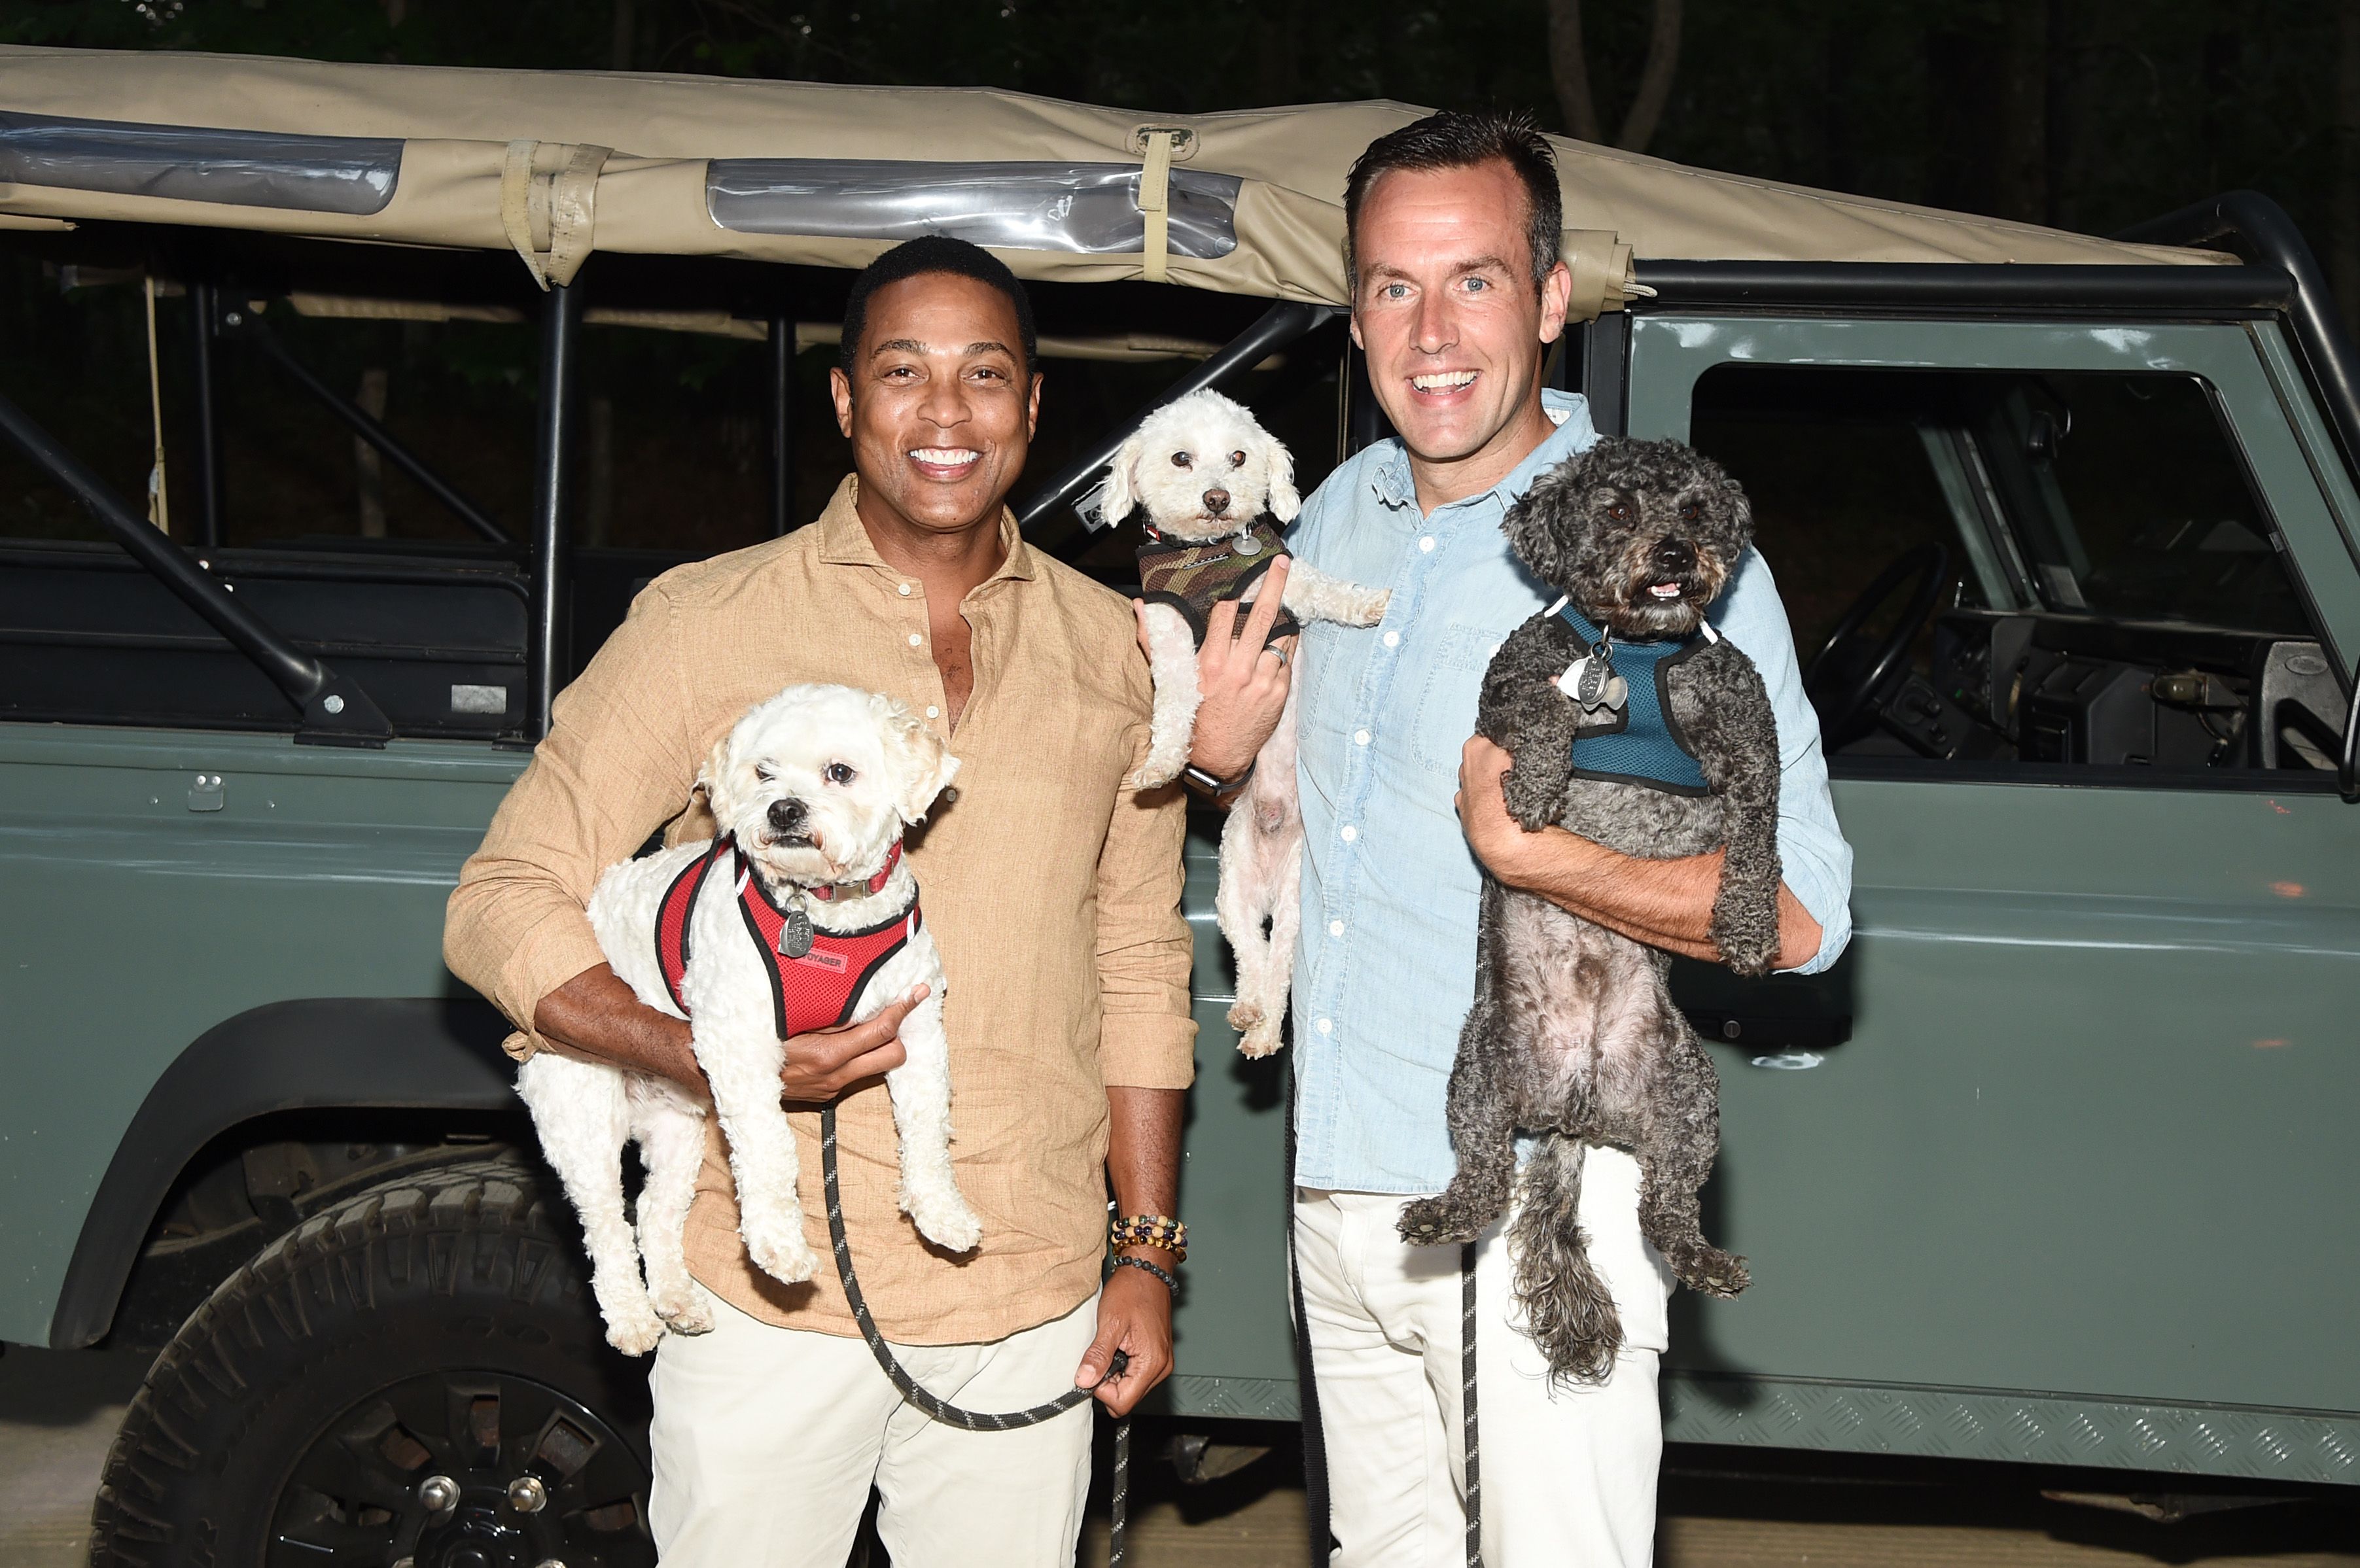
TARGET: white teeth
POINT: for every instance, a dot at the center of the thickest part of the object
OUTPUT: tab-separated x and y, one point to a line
1666	590
1442	380
944	456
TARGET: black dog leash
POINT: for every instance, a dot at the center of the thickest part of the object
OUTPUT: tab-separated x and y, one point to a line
942	1409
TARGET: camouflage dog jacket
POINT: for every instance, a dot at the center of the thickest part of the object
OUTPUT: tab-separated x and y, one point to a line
1192	578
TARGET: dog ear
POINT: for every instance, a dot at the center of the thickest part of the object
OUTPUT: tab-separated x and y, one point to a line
712	780
1115	501
922	761
1284	502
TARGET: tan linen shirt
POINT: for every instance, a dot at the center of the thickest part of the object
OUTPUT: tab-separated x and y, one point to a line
1053	892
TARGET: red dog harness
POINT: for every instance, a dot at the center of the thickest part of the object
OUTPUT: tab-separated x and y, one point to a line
817	989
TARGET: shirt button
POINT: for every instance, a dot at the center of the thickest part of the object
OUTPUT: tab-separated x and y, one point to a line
905	590
916	639
1335	928
1359	738
1426	544
1393	639
933	712
1326	1026
1347	832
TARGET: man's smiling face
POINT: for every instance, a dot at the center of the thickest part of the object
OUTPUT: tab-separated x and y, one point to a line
1445	307
940	406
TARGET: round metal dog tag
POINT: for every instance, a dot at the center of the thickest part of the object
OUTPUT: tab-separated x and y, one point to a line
795	936
1247	544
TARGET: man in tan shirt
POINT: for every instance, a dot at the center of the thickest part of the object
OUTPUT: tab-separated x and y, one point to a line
1053	894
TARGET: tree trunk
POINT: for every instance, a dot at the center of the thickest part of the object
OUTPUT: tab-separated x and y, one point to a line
1655	79
1569	71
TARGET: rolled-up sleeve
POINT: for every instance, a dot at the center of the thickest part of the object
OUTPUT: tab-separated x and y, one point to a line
617	762
1813	855
1147	1038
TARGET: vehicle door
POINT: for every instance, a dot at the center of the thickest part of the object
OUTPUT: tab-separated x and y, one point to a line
2079	1176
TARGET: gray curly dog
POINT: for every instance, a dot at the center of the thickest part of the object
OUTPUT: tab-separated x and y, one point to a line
1573	1033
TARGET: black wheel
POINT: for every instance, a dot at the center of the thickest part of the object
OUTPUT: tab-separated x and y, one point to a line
418	1375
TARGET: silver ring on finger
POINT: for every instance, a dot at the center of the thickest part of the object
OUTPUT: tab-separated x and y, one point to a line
1283	660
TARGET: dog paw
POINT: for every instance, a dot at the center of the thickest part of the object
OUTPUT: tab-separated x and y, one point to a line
635	1332
1532	800
681	1311
1428	1223
1366	608
786	1259
1713	1272
1259	1040
1244	1015
1153	775
948	1222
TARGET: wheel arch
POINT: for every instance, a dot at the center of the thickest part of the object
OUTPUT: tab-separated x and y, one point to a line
319	1053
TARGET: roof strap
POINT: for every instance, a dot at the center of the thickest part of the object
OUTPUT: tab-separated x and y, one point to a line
1156	203
548	195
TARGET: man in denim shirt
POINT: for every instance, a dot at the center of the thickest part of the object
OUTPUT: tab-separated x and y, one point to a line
1453	225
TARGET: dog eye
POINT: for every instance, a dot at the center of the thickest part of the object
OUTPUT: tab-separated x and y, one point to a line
1237	460
1690	511
1620	512
764	774
1179	459
840	773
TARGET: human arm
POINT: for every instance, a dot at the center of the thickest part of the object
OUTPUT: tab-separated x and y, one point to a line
1135	1309
1663	903
1147	1060
618	760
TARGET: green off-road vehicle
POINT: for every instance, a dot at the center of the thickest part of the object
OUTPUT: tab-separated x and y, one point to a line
2052	1168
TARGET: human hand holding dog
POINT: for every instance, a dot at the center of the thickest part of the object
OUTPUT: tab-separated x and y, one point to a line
1241	679
824	1063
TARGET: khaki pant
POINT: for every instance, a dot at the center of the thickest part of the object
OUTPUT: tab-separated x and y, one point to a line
766	1441
1569	1473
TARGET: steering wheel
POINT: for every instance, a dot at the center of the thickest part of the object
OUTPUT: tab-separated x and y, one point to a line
1852	675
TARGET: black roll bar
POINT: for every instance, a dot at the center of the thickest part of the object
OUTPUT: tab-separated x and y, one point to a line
335	711
560	325
1281	324
209	509
2251	224
1917	284
243	322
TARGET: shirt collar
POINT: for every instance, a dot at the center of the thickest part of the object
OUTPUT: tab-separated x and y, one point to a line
844	539
1569	411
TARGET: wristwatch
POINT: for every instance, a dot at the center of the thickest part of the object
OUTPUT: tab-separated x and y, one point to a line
1205	784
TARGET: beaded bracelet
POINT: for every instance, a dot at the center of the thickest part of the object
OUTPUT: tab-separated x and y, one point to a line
1170	1283
1153	1230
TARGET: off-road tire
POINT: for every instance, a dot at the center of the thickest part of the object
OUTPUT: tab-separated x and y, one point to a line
466	1272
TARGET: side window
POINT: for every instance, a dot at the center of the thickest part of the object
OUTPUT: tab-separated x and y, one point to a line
2041	570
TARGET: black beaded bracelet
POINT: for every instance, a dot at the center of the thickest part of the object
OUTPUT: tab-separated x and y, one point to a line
1170	1283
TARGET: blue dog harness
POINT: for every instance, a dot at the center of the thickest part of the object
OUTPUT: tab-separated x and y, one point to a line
1642	744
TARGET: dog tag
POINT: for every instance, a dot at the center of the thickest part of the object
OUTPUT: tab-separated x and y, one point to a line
1590	681
795	936
1246	544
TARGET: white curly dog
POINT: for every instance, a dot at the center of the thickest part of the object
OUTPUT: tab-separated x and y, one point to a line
1206	473
801	914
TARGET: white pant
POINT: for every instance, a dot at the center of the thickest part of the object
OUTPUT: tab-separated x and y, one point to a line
1568	1471
767	1440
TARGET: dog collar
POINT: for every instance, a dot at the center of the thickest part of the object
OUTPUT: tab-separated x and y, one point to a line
876	884
1242	542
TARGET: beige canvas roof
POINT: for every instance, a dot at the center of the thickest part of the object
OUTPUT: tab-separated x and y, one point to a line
556	164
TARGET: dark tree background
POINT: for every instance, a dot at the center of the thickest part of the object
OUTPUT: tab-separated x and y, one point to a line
2086	114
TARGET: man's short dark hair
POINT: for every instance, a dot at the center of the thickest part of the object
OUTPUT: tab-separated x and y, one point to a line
1453	139
935	252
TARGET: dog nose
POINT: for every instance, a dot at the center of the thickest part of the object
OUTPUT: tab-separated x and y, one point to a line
786	816
1217	501
1674	555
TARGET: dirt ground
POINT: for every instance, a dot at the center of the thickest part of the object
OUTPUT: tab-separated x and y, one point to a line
58	1412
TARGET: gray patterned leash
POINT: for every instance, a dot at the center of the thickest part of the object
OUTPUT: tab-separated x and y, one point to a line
943	1411
1467	1406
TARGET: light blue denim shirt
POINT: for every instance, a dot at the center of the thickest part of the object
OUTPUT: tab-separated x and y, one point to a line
1386	970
